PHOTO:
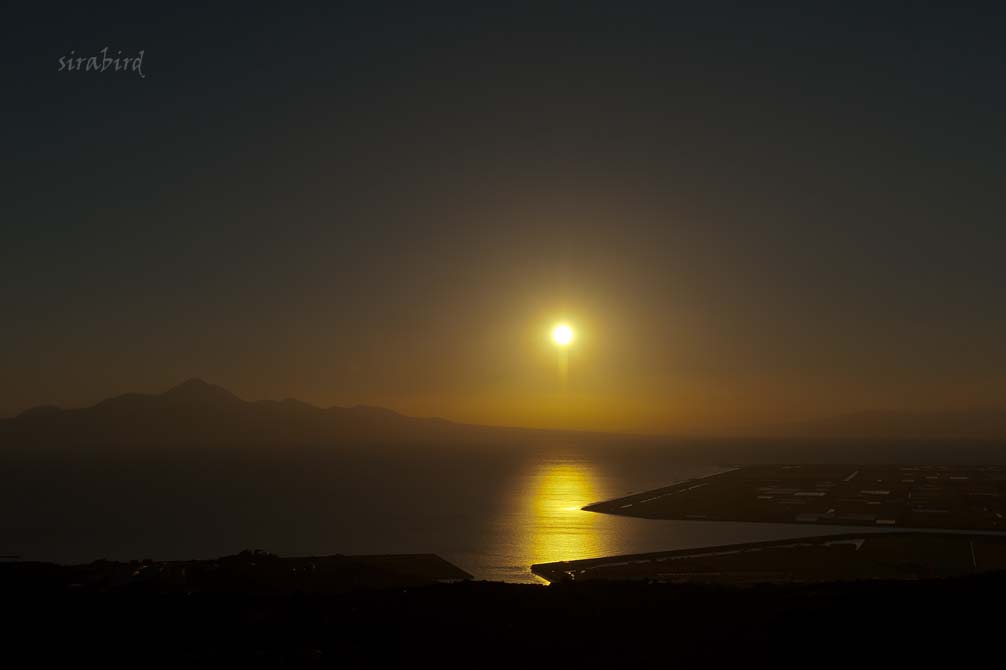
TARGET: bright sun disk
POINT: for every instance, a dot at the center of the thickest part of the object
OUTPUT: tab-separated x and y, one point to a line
562	335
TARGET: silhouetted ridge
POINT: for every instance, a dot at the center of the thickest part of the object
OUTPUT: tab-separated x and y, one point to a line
375	411
197	391
987	423
40	411
197	413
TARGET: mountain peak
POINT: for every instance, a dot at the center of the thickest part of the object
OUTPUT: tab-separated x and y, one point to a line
198	390
193	383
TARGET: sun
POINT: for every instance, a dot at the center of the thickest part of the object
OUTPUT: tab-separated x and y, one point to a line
562	335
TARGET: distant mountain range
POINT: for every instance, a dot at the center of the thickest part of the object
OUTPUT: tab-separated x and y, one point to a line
198	413
974	424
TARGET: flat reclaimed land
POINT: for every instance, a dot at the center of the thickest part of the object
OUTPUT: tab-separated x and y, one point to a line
930	497
891	556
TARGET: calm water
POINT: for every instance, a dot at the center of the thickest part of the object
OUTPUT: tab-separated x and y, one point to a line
540	520
493	514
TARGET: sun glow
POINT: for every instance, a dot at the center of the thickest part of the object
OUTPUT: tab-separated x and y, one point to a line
562	335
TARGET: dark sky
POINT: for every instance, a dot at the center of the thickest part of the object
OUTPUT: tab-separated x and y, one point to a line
748	214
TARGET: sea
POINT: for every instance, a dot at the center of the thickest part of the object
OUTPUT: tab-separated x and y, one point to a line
492	512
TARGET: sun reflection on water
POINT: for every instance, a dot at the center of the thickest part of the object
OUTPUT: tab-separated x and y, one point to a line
560	530
540	517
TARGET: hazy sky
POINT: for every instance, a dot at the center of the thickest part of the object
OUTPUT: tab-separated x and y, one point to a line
749	215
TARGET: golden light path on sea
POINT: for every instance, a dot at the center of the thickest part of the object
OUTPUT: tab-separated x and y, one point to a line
561	530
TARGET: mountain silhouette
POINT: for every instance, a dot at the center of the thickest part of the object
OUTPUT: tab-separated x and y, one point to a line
198	392
41	410
199	413
905	425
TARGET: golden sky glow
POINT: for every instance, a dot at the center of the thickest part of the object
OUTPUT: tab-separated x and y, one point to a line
639	362
744	243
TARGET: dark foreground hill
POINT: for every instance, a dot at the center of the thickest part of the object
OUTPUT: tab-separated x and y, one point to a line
480	624
249	573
